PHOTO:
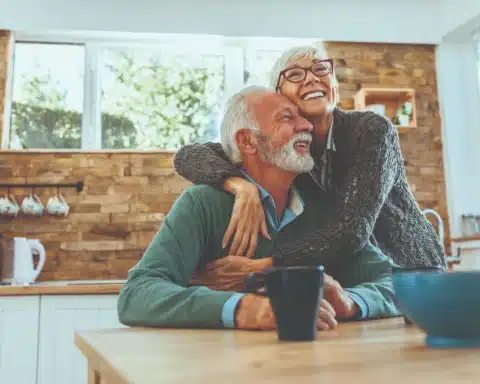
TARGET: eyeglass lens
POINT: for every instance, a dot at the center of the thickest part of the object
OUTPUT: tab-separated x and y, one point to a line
297	74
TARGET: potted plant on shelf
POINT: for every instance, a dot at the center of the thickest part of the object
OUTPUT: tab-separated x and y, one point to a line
403	114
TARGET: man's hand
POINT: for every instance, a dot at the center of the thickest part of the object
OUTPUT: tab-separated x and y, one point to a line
254	312
228	273
343	305
326	316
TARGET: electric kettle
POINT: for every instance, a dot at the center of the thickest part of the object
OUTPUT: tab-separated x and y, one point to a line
18	260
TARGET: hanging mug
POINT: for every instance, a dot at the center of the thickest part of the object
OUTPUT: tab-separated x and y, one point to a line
57	206
32	205
9	206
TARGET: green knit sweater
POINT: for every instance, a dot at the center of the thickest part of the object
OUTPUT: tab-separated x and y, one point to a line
157	292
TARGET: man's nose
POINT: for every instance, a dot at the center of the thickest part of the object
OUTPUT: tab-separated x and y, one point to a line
303	125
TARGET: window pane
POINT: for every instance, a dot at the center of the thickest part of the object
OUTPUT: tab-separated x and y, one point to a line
154	98
258	65
47	96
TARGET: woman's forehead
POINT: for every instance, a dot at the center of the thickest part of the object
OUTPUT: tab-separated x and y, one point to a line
303	61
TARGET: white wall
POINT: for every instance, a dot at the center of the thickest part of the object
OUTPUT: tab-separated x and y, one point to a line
460	111
347	20
459	97
458	16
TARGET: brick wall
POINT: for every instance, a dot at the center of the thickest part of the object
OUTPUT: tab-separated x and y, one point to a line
4	53
111	221
127	194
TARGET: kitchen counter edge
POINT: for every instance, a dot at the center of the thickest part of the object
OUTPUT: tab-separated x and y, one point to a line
75	289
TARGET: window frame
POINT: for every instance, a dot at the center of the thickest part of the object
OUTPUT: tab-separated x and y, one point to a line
476	39
236	53
8	98
37	39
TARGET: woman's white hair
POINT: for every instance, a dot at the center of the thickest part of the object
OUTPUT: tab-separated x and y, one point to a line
239	115
293	54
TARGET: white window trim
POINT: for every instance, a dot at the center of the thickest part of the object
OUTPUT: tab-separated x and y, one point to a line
91	117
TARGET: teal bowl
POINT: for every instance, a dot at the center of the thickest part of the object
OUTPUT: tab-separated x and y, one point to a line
445	305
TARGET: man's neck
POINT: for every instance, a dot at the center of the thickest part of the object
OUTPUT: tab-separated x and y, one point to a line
275	181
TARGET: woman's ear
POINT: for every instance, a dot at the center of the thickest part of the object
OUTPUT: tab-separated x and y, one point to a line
246	141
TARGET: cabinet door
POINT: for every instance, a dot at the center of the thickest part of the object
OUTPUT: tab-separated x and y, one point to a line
18	339
60	361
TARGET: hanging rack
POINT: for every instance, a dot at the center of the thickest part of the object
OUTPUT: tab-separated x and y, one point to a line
78	185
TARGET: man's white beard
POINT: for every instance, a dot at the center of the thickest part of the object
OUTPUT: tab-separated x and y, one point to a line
286	157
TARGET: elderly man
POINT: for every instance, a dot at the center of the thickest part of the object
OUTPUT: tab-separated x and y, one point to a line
262	132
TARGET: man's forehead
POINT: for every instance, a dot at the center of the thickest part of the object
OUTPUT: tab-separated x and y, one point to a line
274	101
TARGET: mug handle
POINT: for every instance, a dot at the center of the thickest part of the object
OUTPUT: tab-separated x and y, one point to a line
13	200
254	282
37	246
37	199
65	204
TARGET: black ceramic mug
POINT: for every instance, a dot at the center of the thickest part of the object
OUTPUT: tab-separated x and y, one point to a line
295	294
434	268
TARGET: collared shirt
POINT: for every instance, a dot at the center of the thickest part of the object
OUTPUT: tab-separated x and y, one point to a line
324	169
293	210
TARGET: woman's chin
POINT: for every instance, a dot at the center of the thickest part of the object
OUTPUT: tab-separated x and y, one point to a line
316	109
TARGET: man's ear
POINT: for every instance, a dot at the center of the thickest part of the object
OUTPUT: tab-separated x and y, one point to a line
246	141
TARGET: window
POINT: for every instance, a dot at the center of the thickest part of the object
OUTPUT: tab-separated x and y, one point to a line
162	93
47	96
159	98
258	64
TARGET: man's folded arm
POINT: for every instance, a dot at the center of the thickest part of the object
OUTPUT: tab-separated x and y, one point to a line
157	292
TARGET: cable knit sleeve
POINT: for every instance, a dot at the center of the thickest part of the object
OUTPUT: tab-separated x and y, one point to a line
204	164
357	203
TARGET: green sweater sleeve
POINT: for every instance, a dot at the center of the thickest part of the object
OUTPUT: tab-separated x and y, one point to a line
368	274
156	292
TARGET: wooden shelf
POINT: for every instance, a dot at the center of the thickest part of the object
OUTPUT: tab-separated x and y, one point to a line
391	98
466	238
405	128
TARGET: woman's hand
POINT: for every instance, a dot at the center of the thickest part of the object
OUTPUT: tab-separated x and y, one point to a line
248	218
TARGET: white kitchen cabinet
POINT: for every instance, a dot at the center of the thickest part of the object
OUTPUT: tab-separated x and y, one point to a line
59	361
18	339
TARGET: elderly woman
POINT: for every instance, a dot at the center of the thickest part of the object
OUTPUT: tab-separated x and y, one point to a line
358	164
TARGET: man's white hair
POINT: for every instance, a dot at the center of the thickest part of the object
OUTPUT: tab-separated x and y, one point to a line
239	115
293	54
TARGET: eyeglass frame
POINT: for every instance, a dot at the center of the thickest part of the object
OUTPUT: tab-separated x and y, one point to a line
282	73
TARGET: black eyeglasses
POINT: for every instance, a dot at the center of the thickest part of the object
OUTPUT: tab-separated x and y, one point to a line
297	74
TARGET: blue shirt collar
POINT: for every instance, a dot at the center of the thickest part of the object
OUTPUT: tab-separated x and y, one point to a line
294	208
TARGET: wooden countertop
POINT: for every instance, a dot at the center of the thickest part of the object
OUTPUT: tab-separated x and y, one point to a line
62	288
381	351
